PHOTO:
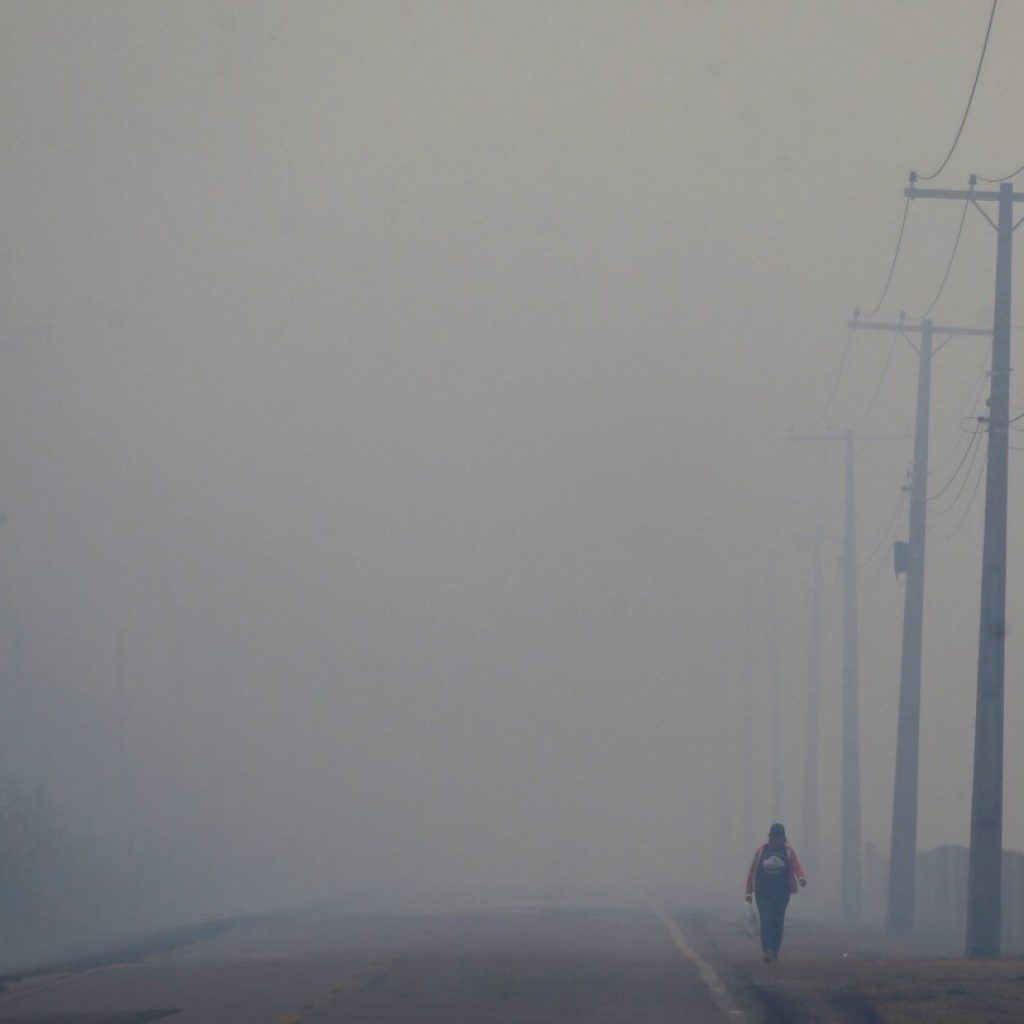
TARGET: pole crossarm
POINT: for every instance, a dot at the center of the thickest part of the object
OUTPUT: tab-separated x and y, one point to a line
844	436
969	195
867	325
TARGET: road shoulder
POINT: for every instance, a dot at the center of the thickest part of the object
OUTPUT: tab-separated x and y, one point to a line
841	975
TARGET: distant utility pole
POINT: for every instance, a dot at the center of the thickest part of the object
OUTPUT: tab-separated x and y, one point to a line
850	858
852	874
984	879
775	712
809	811
747	781
903	837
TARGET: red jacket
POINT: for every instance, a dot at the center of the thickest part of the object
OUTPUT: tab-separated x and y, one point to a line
796	872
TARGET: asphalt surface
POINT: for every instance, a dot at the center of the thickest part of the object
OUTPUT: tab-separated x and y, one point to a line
531	966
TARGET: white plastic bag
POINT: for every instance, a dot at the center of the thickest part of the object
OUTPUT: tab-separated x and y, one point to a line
753	926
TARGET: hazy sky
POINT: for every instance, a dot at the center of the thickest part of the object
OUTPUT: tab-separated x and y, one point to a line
393	415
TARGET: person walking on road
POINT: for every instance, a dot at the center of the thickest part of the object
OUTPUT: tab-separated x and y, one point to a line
775	874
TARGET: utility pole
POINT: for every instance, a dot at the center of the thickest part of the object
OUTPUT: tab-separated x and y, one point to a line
984	879
747	781
775	713
809	810
850	857
903	837
852	874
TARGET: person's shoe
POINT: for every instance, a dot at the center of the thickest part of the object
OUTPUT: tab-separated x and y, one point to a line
775	956
767	958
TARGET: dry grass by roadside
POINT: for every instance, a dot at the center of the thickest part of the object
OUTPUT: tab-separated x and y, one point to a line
857	976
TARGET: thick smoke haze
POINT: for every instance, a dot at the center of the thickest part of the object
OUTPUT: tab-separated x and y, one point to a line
394	403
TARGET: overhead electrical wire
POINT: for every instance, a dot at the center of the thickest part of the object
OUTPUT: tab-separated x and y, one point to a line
888	529
970	502
835	383
895	258
967	475
977	390
956	472
878	386
949	265
948	457
970	99
997	181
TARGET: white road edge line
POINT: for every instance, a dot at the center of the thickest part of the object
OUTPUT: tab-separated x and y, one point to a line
719	992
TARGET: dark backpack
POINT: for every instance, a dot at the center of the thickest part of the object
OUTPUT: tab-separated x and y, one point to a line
773	871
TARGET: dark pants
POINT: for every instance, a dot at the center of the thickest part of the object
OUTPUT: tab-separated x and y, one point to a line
772	911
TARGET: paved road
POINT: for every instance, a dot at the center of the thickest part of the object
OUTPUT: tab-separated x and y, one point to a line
531	967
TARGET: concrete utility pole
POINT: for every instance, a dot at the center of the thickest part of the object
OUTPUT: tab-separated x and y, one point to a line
903	838
850	858
747	780
809	810
984	880
852	874
775	713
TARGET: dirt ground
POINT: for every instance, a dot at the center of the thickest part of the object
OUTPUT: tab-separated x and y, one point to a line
856	976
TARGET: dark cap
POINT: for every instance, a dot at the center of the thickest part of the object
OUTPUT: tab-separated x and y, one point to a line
777	830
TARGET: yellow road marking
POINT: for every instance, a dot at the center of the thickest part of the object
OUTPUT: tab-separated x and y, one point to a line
719	992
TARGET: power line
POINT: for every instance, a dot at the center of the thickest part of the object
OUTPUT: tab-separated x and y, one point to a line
878	386
970	503
970	99
977	390
888	529
835	383
892	268
967	475
997	181
949	265
956	472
